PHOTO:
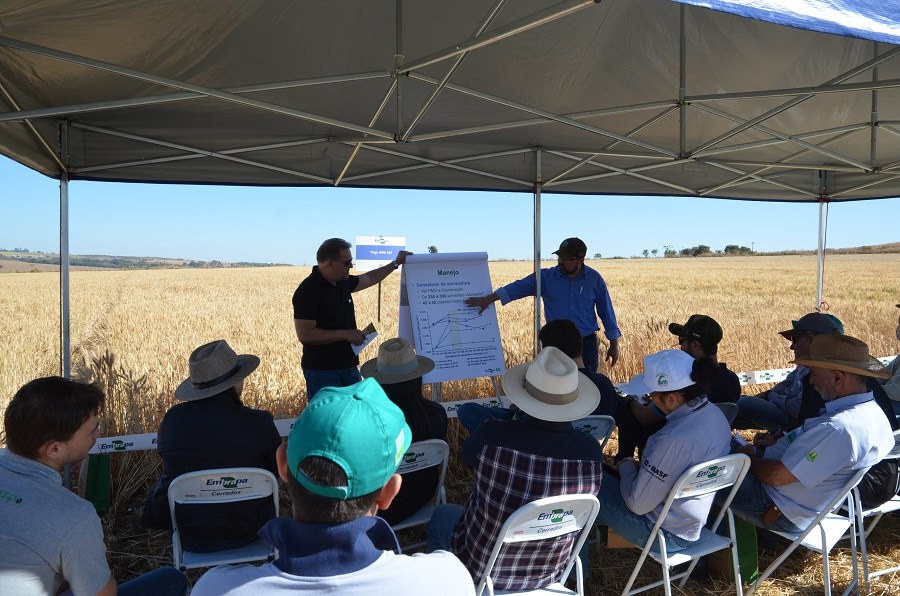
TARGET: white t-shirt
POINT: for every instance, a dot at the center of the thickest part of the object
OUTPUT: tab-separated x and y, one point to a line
436	574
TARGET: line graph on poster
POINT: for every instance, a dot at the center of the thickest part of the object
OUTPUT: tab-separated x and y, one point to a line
459	329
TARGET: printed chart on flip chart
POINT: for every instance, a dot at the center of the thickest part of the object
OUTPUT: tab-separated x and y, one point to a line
434	317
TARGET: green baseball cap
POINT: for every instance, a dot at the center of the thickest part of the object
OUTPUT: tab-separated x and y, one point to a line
356	427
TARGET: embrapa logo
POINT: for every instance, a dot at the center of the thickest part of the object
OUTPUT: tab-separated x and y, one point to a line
227	482
556	516
710	472
9	497
661	380
411	458
116	445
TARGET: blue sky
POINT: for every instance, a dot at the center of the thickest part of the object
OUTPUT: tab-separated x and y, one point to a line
286	225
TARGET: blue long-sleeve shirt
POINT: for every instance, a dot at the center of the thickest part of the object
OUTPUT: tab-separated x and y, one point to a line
566	298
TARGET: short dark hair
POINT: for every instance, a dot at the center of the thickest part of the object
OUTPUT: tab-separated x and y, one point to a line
48	409
311	508
331	249
704	373
562	334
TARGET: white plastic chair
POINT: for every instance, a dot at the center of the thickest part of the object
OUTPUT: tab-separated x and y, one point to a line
832	525
225	485
420	456
877	512
599	427
699	480
550	517
730	410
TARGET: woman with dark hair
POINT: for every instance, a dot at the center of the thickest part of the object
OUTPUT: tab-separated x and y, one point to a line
211	429
399	371
696	431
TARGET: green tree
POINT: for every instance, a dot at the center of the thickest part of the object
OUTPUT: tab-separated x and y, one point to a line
654	252
432	249
645	253
597	255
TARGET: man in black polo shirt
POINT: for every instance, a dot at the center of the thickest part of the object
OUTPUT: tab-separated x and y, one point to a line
324	318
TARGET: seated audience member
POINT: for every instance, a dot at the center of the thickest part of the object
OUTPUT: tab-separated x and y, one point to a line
792	478
700	338
51	540
213	429
519	461
892	385
339	464
779	407
399	371
695	432
562	334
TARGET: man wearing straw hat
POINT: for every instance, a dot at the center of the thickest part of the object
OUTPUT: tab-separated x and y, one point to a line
324	318
340	466
795	476
518	461
212	428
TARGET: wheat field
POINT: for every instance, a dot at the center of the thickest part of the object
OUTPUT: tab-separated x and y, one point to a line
133	331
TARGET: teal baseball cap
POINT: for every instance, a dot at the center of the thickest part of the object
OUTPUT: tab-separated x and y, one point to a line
356	427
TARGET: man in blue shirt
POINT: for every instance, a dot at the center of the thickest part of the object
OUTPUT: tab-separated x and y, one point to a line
571	290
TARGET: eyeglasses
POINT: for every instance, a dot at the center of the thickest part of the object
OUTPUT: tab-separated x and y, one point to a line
348	263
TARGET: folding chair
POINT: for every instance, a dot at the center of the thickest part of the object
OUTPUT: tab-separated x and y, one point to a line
420	456
699	480
225	485
832	526
550	517
599	427
877	512
730	410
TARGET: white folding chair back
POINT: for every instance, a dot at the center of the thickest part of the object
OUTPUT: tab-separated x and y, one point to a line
831	525
420	456
876	512
599	427
696	481
225	485
550	517
730	410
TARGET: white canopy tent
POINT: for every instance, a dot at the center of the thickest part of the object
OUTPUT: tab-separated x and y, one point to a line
782	100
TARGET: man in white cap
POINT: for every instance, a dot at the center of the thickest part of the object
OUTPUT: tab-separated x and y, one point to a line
340	466
793	477
518	461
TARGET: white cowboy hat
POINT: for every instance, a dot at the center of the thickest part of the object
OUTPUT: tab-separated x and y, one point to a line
396	362
214	367
551	388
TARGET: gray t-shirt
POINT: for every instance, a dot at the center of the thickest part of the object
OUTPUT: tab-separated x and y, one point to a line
47	534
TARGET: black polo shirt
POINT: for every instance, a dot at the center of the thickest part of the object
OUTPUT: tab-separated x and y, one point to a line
331	307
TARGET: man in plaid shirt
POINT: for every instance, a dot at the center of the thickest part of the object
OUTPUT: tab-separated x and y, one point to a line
519	461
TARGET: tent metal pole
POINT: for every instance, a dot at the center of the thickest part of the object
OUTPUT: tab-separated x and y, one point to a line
820	90
64	339
206	91
537	249
873	137
489	17
682	84
524	24
115	104
398	62
548	115
823	221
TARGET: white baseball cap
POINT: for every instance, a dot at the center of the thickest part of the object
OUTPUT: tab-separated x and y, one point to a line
669	370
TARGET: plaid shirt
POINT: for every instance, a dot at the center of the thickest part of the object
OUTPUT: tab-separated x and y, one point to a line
506	479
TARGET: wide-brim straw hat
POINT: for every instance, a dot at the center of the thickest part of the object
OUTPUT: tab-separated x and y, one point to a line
551	388
396	362
842	352
214	367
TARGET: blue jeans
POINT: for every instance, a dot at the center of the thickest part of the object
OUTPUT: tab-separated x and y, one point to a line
756	412
440	528
341	377
165	581
750	503
590	352
635	528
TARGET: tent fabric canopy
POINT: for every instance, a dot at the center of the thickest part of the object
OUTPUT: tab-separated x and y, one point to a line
625	97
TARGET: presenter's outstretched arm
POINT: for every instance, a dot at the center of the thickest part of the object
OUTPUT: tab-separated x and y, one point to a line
482	302
369	279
